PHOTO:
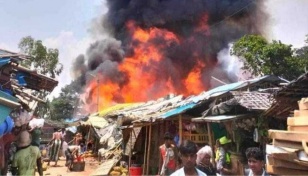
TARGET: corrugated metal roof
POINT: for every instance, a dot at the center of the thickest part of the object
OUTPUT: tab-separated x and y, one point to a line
233	86
218	119
164	108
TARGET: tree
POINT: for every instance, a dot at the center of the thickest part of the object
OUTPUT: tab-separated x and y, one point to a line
45	61
263	58
64	106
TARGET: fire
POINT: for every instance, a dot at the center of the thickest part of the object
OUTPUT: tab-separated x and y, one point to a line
141	68
193	81
146	80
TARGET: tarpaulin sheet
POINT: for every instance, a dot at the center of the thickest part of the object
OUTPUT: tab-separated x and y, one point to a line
3	61
178	110
116	107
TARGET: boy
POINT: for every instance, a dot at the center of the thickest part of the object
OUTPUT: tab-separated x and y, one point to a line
188	153
255	161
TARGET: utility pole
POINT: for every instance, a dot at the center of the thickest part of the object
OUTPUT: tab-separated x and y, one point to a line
97	96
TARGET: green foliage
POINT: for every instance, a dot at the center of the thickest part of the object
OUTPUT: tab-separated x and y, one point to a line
44	60
64	106
263	58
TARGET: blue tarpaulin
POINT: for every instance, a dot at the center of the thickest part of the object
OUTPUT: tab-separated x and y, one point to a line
178	110
20	76
4	61
233	86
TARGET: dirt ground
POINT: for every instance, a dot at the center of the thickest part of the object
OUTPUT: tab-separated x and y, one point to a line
90	166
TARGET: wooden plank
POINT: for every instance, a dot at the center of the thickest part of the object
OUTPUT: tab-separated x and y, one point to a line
296	113
300	121
297	128
295	136
285	164
104	168
285	156
303	163
288	144
303	113
284	171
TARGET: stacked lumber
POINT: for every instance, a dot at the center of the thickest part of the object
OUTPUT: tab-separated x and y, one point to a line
288	153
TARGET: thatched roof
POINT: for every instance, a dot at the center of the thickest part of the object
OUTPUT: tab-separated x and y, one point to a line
286	98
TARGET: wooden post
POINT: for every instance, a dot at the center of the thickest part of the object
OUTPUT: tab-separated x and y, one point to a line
180	129
209	132
145	151
130	153
89	133
149	148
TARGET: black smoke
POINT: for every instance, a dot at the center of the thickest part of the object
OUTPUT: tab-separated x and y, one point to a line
226	21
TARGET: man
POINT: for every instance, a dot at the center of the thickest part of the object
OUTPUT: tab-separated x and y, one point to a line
223	157
167	159
188	155
55	147
70	154
27	158
255	161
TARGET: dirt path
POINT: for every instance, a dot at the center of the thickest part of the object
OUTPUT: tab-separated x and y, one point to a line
61	170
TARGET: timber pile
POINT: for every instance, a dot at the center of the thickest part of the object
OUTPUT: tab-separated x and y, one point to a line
288	154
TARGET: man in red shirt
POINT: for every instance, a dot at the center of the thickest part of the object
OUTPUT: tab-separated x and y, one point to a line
168	155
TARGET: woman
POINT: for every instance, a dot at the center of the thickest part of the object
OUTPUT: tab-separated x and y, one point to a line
203	161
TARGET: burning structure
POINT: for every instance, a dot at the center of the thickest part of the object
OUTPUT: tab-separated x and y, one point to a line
157	47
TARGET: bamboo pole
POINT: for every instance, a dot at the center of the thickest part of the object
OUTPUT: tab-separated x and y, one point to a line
149	148
130	153
210	139
145	151
180	128
88	138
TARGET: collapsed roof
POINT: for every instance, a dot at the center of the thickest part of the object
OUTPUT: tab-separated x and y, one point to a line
286	98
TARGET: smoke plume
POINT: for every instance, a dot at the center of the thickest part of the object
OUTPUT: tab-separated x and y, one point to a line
179	38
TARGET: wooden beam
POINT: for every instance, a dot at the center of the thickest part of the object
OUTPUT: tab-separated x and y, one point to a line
285	156
149	149
130	153
295	136
180	129
288	144
298	121
298	128
285	164
210	140
284	171
145	152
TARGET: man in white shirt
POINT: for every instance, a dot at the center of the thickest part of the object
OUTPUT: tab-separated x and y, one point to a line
255	162
188	154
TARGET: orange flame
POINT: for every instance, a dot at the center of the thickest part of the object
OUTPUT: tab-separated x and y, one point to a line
142	70
193	81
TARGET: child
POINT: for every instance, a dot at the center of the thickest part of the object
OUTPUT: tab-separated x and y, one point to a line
255	161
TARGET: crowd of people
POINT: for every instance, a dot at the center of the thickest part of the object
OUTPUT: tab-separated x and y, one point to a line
189	159
24	156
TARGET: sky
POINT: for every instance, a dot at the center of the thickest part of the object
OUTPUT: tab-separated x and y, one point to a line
65	24
59	24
